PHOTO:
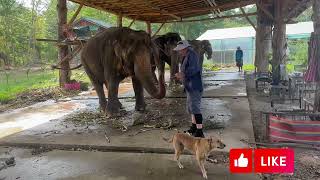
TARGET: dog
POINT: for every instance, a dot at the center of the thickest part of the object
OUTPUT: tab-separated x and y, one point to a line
201	147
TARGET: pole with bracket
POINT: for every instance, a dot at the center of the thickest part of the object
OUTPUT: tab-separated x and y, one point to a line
119	20
75	15
149	31
248	19
158	30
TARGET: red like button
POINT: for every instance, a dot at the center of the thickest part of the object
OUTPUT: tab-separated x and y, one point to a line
274	161
241	160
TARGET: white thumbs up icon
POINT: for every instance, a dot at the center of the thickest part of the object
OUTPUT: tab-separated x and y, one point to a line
241	161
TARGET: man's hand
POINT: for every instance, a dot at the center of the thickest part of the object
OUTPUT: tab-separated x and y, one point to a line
179	76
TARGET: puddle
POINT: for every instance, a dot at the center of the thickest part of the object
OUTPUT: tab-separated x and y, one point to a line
216	113
210	85
29	117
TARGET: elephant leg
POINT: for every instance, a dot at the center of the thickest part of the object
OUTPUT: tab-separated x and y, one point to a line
102	98
113	105
174	68
118	102
172	75
138	90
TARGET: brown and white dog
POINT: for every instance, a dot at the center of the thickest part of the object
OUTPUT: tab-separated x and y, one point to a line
201	147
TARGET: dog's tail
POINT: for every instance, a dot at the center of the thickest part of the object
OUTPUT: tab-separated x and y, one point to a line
168	140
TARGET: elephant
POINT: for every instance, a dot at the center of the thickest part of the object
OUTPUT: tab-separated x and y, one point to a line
165	44
117	53
202	47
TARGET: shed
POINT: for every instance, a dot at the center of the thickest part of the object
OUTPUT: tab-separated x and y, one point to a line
86	27
225	41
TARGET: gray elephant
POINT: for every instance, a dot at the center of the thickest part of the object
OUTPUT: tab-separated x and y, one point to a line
165	44
117	53
202	47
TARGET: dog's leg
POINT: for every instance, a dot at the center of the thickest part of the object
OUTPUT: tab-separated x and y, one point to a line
200	160
203	168
178	149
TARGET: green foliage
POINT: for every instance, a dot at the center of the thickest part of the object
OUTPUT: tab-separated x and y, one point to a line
15	82
298	52
290	68
248	67
19	82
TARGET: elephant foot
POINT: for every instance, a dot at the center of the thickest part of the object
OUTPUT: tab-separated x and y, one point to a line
112	110
119	104
140	107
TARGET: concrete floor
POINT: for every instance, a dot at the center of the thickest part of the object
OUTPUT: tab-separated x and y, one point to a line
224	102
109	166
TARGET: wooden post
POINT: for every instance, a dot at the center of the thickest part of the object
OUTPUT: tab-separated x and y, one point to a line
316	25
149	31
64	75
279	44
248	19
75	15
119	20
263	41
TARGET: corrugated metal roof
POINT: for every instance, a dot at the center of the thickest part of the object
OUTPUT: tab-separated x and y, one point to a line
302	28
93	21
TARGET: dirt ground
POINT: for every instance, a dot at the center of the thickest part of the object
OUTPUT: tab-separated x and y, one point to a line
307	162
34	96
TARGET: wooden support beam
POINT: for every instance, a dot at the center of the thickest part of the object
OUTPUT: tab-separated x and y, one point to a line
149	31
279	41
210	19
215	4
64	75
158	30
131	23
224	6
316	48
162	10
75	15
248	19
298	9
266	12
70	56
119	20
209	3
263	42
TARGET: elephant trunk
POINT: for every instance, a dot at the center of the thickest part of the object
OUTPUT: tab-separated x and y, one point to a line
143	71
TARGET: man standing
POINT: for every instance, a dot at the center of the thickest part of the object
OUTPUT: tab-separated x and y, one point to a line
239	58
190	75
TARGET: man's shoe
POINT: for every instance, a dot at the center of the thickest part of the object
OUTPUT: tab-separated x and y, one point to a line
192	129
198	133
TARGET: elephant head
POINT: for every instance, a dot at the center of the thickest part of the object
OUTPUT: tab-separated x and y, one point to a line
166	43
141	53
207	48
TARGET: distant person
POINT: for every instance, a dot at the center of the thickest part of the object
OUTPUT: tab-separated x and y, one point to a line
239	58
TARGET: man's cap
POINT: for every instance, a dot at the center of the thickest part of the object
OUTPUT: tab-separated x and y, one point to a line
181	45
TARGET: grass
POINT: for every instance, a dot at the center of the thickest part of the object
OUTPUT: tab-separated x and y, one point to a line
250	67
15	82
210	67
